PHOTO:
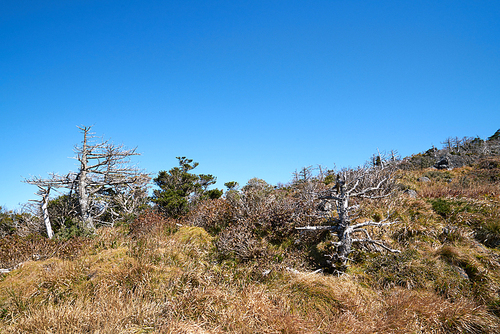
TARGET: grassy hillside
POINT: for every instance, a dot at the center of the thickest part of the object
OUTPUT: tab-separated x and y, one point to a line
236	265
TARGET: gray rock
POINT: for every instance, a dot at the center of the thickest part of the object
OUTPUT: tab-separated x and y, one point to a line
443	163
423	179
410	193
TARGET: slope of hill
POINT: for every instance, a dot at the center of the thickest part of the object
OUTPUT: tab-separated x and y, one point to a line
238	265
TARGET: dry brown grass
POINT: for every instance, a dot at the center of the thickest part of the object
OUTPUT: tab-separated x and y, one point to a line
465	182
15	249
424	312
479	191
328	305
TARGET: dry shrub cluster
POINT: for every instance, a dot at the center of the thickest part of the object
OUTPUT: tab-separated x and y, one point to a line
213	215
239	242
150	221
257	223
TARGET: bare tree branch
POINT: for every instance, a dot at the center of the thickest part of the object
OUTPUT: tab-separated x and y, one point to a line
373	182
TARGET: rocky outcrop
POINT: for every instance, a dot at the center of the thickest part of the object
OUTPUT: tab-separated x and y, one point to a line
443	163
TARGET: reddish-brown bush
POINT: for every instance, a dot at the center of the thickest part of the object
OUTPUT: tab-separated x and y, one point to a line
213	215
150	221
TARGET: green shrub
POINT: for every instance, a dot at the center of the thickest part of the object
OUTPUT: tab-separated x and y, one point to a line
442	207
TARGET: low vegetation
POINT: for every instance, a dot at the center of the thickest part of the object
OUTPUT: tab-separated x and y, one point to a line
238	263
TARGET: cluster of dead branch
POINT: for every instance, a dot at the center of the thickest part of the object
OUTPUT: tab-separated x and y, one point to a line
371	182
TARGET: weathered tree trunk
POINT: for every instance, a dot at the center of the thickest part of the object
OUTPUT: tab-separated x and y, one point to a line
45	211
83	195
343	232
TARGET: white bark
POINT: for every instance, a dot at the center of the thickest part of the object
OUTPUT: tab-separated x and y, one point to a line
44	192
45	211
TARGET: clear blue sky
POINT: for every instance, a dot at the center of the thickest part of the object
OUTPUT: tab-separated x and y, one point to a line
246	88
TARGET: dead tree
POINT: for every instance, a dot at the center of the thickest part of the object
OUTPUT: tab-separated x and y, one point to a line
102	166
375	182
44	202
44	187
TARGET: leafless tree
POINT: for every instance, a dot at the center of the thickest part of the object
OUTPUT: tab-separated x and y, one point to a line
103	167
44	186
370	182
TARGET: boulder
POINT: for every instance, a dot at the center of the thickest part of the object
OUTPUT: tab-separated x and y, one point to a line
443	163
